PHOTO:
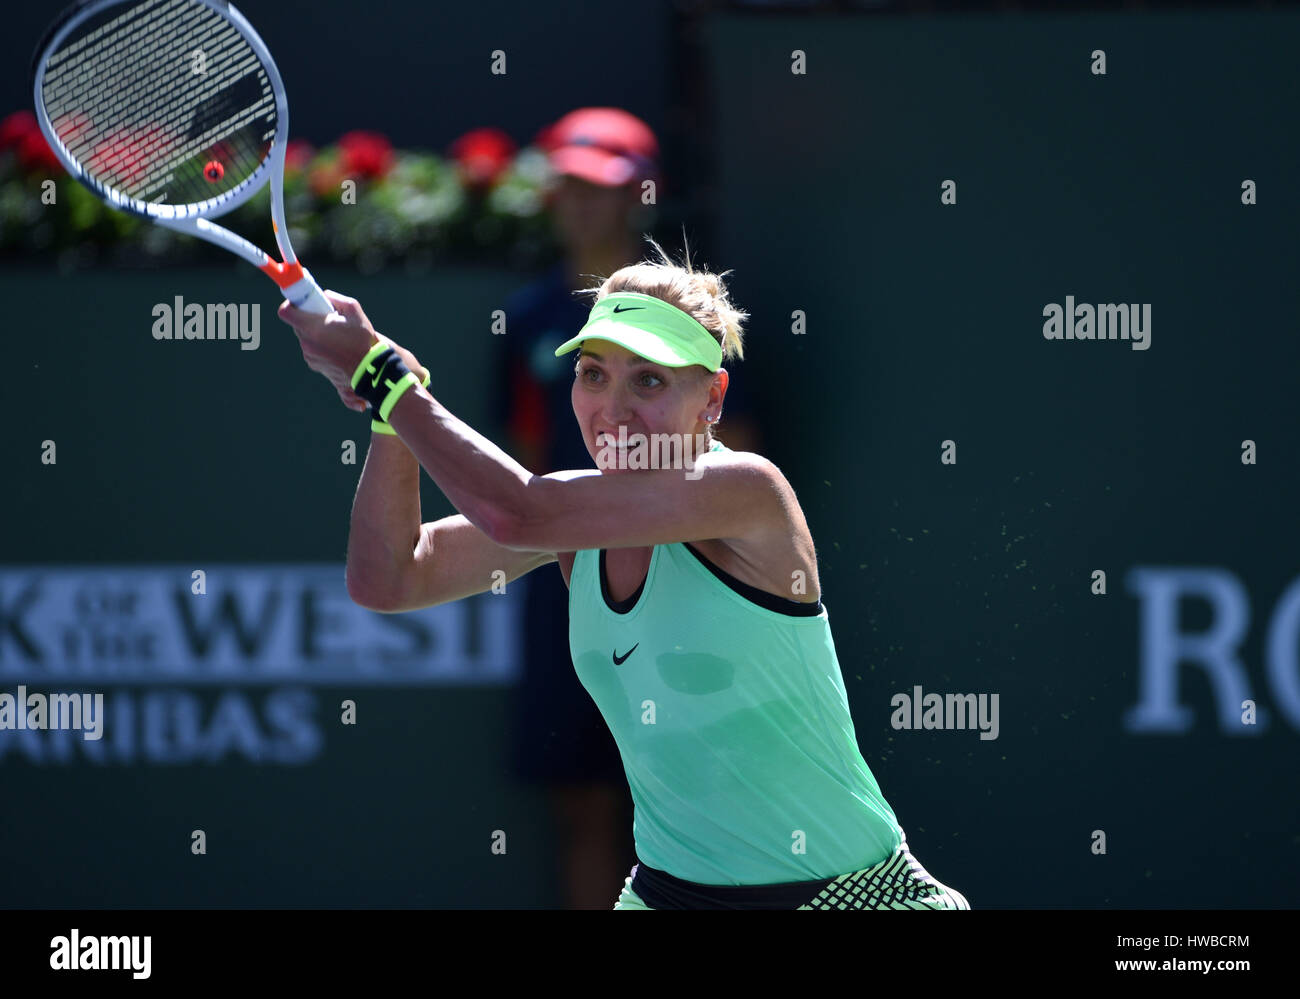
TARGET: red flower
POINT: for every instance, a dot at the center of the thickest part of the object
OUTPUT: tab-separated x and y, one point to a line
326	179
297	154
21	132
482	155
15	127
36	156
127	157
365	154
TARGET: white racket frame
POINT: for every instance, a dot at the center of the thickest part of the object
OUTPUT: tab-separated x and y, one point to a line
294	281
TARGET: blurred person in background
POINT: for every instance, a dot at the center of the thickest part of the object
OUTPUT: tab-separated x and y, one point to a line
600	160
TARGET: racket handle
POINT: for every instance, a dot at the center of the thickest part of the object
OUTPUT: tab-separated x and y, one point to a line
305	294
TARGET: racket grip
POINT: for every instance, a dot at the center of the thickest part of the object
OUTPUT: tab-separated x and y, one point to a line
305	294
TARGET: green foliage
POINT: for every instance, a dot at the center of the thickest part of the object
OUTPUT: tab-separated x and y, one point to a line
418	212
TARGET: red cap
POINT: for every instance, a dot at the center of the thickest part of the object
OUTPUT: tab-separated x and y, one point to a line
603	145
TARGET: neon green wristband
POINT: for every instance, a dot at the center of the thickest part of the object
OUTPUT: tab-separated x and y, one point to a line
382	426
396	392
364	367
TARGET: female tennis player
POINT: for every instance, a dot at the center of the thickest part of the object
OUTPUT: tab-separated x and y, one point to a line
695	617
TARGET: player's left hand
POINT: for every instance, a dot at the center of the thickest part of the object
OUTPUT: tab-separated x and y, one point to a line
335	344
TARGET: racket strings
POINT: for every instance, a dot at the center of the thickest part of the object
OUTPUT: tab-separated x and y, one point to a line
163	101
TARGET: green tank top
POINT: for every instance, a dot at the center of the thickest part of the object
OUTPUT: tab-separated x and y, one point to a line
733	725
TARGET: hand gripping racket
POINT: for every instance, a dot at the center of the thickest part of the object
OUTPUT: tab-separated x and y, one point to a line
174	110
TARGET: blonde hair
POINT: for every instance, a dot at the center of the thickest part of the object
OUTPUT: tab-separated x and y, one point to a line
700	294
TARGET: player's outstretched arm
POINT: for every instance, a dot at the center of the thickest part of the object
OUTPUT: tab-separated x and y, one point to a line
397	564
723	496
455	560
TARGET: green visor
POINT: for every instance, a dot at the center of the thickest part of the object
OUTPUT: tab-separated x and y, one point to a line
649	326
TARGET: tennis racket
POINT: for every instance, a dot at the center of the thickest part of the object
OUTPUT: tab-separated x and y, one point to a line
173	110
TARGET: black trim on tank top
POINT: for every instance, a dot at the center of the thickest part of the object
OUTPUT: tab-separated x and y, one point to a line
753	594
781	605
620	606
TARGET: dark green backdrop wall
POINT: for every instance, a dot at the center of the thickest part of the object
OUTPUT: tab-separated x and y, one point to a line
201	454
